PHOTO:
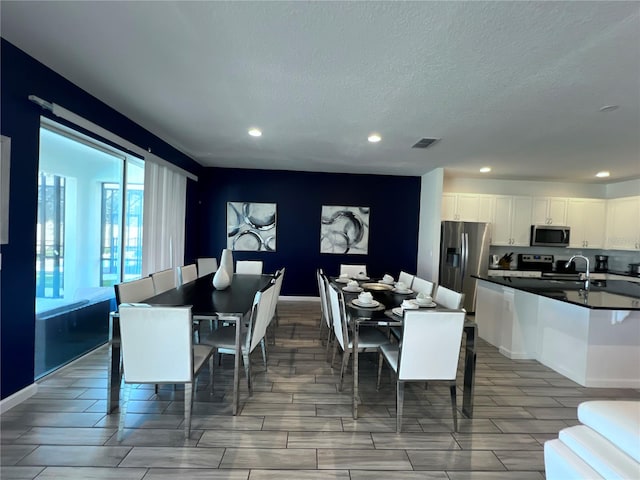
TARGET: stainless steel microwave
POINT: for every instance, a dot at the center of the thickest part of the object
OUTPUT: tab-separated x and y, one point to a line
550	236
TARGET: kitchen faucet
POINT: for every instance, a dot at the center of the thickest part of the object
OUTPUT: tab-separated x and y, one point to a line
586	276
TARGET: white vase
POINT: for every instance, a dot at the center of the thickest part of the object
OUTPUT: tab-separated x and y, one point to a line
221	279
226	262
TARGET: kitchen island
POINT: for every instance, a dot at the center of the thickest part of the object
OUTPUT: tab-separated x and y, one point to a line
591	337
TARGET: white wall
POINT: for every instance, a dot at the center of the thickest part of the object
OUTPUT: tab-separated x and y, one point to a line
430	218
628	188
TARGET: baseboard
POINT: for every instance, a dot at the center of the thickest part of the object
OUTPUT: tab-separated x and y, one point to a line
515	355
299	299
18	397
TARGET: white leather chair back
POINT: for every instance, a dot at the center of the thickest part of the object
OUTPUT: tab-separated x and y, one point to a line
164	280
421	285
134	291
430	345
406	278
322	291
187	273
249	266
448	298
207	265
278	278
338	316
353	270
156	344
261	315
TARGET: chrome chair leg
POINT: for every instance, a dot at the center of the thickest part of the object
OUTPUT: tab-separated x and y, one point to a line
399	404
188	403
343	368
454	408
380	360
123	410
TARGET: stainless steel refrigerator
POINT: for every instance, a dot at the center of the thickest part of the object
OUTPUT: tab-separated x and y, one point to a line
464	251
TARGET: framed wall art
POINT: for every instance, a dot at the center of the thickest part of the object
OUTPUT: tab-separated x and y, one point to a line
251	226
344	230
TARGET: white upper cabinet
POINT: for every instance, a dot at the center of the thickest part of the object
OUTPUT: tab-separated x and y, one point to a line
623	223
511	221
549	211
467	207
586	217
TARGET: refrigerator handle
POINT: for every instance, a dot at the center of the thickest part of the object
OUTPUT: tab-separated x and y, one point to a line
465	257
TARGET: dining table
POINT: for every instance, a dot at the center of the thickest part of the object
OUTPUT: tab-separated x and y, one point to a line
382	314
230	304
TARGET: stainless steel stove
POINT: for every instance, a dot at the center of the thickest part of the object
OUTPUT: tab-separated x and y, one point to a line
535	262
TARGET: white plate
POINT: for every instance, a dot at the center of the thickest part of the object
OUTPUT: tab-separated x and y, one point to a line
358	303
404	292
387	283
398	311
413	306
428	305
343	280
358	277
354	290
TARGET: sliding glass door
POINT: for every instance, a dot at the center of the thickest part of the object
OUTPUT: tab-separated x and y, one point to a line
89	237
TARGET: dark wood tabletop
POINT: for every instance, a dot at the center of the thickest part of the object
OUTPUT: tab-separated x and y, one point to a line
205	300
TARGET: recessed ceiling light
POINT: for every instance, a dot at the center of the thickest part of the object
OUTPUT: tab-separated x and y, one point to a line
255	132
374	138
609	108
485	169
602	174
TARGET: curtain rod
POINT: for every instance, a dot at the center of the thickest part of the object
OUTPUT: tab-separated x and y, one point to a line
68	115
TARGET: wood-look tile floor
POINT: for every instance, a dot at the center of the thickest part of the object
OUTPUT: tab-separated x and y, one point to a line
297	425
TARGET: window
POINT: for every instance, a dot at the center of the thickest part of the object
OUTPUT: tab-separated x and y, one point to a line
89	237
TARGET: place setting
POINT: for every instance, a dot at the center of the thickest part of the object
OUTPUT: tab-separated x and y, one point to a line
365	300
343	278
361	276
401	288
352	287
422	300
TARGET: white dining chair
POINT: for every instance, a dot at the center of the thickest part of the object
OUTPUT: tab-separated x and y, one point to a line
324	307
134	291
448	298
429	351
421	285
164	280
157	348
406	278
207	265
353	270
277	280
249	267
370	338
252	335
187	273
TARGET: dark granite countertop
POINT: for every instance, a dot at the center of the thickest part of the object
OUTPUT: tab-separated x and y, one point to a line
602	294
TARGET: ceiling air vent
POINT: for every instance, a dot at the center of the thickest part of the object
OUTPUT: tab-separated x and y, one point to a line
425	142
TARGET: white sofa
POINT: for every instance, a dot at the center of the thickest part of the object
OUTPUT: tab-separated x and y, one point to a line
605	445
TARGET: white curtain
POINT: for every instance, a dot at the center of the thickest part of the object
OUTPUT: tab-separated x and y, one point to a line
164	218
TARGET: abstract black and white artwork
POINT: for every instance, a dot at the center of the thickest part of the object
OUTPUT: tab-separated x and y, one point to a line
251	226
344	230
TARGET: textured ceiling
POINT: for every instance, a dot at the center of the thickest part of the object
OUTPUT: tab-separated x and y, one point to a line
514	85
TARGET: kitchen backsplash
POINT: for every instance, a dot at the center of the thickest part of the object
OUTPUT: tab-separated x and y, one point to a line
618	260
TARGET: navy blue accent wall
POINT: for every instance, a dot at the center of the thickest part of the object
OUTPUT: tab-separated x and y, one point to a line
394	219
20	119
